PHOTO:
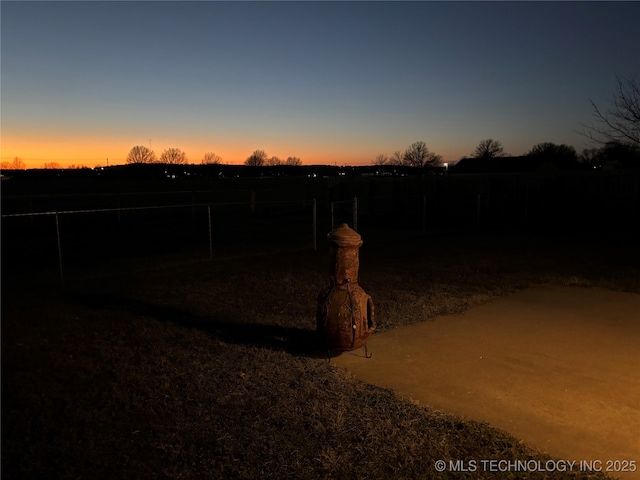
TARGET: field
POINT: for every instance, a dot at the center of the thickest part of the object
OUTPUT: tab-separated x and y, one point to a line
175	365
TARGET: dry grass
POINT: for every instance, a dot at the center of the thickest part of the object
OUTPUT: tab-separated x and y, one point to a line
209	369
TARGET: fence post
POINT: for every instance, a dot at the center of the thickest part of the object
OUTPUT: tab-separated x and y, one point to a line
118	204
424	214
315	228
210	239
478	213
635	209
332	215
193	204
355	213
59	247
253	201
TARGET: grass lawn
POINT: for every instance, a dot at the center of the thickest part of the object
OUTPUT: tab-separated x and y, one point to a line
208	369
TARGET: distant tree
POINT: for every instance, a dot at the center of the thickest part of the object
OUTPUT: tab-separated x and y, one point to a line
211	158
51	166
552	150
591	157
256	159
619	155
488	148
293	161
141	154
273	161
5	166
620	123
397	158
561	155
17	164
418	155
173	156
79	166
381	159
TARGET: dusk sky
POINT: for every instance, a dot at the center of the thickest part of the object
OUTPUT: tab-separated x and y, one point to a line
328	82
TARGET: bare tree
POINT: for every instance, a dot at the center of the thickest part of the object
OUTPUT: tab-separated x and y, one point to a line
488	148
17	164
418	155
397	158
620	122
273	161
381	159
173	156
591	157
550	149
562	155
614	154
141	154
293	161
211	158
51	166
256	159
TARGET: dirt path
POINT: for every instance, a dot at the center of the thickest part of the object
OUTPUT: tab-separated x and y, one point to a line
557	367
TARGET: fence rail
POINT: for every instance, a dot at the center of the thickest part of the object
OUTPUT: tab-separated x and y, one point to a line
32	202
124	209
608	202
223	209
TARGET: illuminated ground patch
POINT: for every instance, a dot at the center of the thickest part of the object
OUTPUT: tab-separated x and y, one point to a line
554	366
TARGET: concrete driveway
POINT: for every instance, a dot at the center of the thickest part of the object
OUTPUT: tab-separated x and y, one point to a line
557	367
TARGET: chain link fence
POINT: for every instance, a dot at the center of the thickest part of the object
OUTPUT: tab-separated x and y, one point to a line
82	239
65	232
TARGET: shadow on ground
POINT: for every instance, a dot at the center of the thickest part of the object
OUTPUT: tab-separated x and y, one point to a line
296	341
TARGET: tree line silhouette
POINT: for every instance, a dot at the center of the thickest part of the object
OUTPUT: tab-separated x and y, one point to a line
175	156
616	134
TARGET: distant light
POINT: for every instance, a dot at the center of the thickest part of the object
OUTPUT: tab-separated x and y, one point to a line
446	166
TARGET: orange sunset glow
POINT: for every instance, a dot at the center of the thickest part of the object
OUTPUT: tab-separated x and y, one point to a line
93	153
328	84
320	239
